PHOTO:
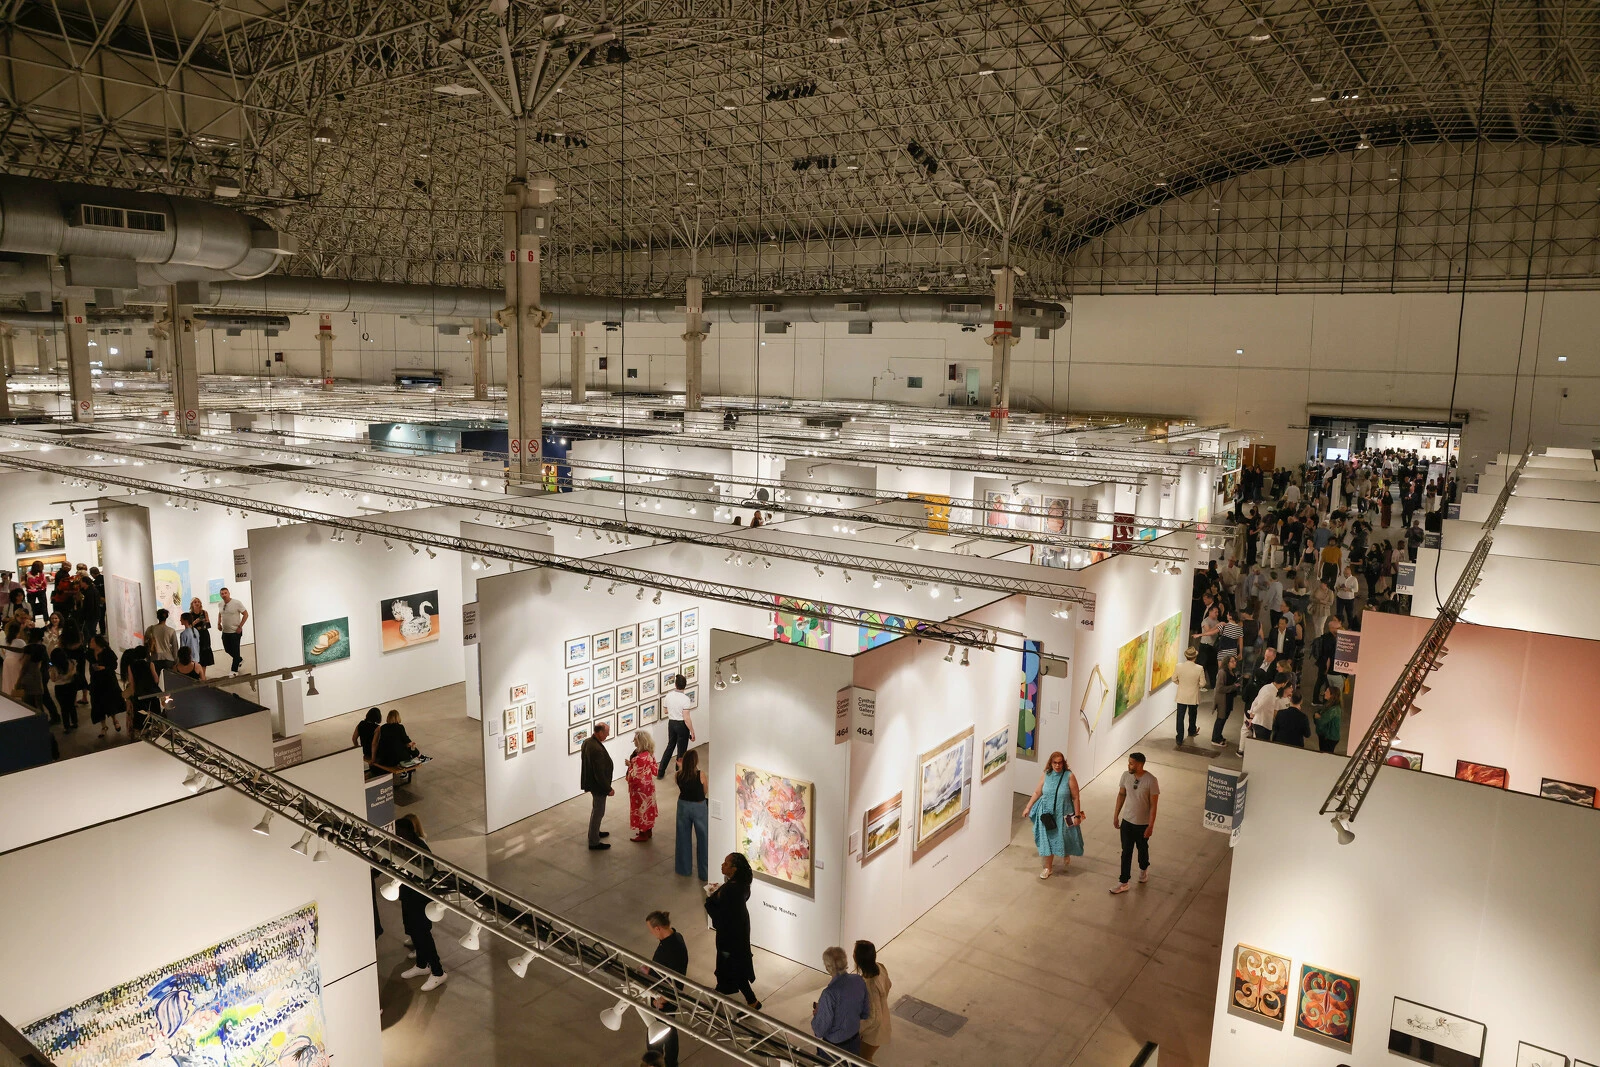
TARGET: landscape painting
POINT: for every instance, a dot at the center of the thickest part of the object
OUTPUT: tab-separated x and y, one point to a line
39	535
773	825
996	750
1260	984
944	788
881	827
325	642
1131	670
1164	642
1567	792
1326	1006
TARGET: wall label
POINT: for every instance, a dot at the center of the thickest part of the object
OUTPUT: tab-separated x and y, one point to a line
855	713
1405	578
469	623
241	564
1224	810
1346	651
781	911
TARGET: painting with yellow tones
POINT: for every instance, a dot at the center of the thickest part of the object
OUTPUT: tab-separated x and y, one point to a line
1132	663
1164	641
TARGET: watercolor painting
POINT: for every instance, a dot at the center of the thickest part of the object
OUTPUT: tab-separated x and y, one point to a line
773	819
689	621
172	586
602	645
577	711
944	788
996	751
1131	669
649	711
577	651
881	827
627	638
1028	702
1261	984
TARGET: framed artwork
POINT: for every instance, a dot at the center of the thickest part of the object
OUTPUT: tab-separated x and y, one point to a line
604	673
1260	985
689	621
578	681
1429	1035
1057	513
871	633
792	625
880	827
627	695
1164	642
519	692
409	620
172	584
692	695
52	562
577	735
627	666
1028	703
603	644
513	743
605	702
124	612
530	713
610	723
1567	792
1325	1006
669	681
647	632
578	711
38	536
944	788
690	669
647	687
1131	669
214	588
325	642
627	720
512	718
627	638
1481	774
267	978
688	648
530	737
668	625
647	659
649	712
1534	1056
669	653
578	651
773	825
1095	692
1403	758
996	749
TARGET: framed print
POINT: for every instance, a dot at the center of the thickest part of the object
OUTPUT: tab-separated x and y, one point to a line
1567	792
407	620
578	681
669	681
604	673
1429	1035
577	651
690	669
996	749
38	535
688	648
689	621
647	687
627	638
1325	1006
692	694
610	723
530	713
944	789
513	743
648	632
605	702
1403	758
1534	1056
627	666
627	694
880	827
669	653
325	642
519	692
649	712
577	735
603	644
668	627
1260	985
578	711
773	824
1482	774
647	659
513	719
627	720
530	737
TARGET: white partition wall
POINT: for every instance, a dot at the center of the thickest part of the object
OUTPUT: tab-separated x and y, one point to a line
1517	593
127	556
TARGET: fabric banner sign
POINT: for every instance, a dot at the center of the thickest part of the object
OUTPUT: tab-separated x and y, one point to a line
1405	578
1224	809
1346	650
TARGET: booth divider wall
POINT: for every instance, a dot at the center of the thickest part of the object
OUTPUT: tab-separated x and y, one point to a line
203	541
127	554
1518	593
28	497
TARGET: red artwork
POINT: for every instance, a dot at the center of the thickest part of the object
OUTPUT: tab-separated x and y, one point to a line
1481	773
1327	1006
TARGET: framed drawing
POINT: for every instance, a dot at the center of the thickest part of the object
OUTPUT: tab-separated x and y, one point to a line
603	644
530	713
627	720
513	743
1403	758
518	692
996	748
1481	774
690	669
513	719
944	789
692	695
649	712
1095	692
577	651
668	626
409	620
688	648
605	702
530	737
1027	704
1567	792
577	735
325	642
647	687
578	681
773	825
1132	666
610	723
627	666
1164	643
689	621
669	681
647	659
1260	985
578	711
647	632
1534	1056
1429	1035
880	827
669	653
627	694
604	672
627	638
1325	1006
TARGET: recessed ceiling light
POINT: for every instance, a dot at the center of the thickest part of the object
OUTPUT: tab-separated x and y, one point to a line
1259	33
1318	94
837	33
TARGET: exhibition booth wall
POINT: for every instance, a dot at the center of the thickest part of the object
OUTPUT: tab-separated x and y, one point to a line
1529	542
1449	896
1503	701
1534	511
1517	593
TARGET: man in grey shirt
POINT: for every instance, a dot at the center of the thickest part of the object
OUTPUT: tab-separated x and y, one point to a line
1135	816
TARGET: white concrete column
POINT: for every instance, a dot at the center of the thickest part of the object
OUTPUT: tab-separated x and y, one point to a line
80	379
45	351
577	354
325	341
185	368
480	359
526	220
694	334
162	334
1001	339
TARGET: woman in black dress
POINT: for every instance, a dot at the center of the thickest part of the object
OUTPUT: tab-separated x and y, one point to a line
726	904
140	686
105	690
200	622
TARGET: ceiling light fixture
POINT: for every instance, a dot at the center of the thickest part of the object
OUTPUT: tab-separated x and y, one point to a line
264	827
719	685
950	655
390	890
733	672
1259	34
302	846
1319	95
1363	144
966	657
519	966
837	33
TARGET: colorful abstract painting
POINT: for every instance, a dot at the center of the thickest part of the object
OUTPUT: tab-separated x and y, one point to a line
1403	758
1164	643
773	824
944	788
792	626
1261	984
880	827
870	635
254	1000
325	642
1482	774
1132	666
172	586
1326	1006
1028	703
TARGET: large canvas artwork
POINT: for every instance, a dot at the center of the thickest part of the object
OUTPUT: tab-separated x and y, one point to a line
1010	511
789	626
773	824
1429	1035
409	620
1028	703
325	642
869	635
124	612
1164	642
38	536
944	788
1326	1006
254	1000
1131	668
1260	985
172	587
880	827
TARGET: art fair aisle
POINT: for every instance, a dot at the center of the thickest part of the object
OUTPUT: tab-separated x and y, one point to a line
1048	973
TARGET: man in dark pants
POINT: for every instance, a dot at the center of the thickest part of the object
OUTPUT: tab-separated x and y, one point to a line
671	955
680	725
595	779
231	618
1135	816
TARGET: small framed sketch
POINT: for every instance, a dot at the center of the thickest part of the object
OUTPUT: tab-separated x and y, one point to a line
689	621
603	644
578	681
627	694
647	687
513	719
610	723
605	702
530	737
627	666
1534	1056
513	743
577	651
1429	1035
669	653
669	627
627	638
519	692
689	648
647	659
690	669
649	711
648	632
530	713
693	693
669	681
578	711
604	673
627	720
577	735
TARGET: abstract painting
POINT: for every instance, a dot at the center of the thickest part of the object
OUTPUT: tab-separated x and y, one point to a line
1260	984
577	735
1481	774
577	651
1164	640
881	827
1131	670
38	536
253	999
1326	1010
1028	703
773	824
325	642
996	750
409	620
1429	1035
791	625
577	711
944	788
1403	758
1567	792
172	586
1534	1056
689	621
870	634
124	612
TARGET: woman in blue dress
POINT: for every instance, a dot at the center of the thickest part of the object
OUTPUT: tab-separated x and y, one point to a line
1056	795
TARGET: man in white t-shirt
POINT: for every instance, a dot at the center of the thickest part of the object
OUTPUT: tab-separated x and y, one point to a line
680	726
231	618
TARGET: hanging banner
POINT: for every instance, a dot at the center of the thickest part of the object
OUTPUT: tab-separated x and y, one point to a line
469	623
1405	578
1086	612
1346	650
855	713
1224	810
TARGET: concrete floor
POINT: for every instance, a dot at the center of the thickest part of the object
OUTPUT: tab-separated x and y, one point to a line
1053	972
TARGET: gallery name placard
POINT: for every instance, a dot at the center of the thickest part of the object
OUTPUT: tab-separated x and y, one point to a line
855	713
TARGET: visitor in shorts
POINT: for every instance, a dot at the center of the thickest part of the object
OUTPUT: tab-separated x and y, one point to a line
1138	797
231	618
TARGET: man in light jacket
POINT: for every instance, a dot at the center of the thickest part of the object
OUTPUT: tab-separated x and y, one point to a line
1190	677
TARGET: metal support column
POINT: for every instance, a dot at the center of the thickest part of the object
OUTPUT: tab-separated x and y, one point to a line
8	355
80	379
577	354
527	218
480	359
185	373
325	341
694	333
1001	339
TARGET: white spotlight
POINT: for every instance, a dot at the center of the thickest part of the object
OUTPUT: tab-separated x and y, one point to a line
655	1031
1341	826
720	685
519	966
412	547
432	554
950	655
302	846
640	594
733	675
194	782
611	1018
657	598
587	584
264	827
933	591
817	569
469	940
321	856
434	911
957	598
877	583
390	890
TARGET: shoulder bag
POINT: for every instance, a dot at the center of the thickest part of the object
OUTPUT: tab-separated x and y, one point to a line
1047	819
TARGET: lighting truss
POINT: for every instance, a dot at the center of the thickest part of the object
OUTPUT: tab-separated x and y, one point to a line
1350	790
728	1026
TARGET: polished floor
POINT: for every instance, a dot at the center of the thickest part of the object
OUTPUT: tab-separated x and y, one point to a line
1047	972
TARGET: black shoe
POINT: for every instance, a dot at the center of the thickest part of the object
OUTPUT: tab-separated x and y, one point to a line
597	848
605	833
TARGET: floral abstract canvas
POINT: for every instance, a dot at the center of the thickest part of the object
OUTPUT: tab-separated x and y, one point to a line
773	824
1260	984
1164	641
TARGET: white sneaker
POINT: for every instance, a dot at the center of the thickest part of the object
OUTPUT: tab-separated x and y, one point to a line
414	972
434	982
1120	887
406	941
1144	876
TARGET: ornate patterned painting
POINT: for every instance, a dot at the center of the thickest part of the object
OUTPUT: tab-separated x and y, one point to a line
1132	666
254	1000
1164	642
1261	984
773	824
1326	1006
1028	703
797	629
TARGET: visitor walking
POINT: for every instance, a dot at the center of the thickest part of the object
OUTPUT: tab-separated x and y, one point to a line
1345	592
875	1028
693	818
64	685
670	957
231	618
414	915
140	686
1056	814
680	724
1138	797
1189	676
595	779
726	904
1222	700
843	1005
641	775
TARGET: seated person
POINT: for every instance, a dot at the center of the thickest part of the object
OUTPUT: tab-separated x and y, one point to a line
393	746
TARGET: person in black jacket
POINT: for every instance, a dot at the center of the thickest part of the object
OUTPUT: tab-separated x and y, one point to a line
365	731
1323	649
672	957
726	905
1227	690
1291	727
595	779
414	916
393	745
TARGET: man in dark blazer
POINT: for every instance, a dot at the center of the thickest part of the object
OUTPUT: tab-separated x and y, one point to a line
596	781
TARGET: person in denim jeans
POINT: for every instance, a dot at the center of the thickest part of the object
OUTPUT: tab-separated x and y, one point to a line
692	816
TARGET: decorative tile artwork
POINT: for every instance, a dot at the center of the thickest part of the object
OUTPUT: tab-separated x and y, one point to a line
773	824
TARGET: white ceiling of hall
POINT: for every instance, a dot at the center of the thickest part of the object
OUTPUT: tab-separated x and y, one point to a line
380	131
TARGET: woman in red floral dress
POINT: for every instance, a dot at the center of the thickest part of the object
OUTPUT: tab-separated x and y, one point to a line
642	769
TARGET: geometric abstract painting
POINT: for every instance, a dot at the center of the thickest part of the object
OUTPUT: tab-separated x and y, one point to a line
1261	984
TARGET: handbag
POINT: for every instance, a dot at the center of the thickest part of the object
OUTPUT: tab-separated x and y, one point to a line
1047	819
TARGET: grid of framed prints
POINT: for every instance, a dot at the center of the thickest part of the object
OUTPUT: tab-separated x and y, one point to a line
617	677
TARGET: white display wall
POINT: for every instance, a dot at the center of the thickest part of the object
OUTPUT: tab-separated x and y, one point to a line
1516	593
205	540
1451	895
1534	511
127	554
26	496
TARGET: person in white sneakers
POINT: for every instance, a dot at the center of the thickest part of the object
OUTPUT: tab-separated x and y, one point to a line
1189	676
1135	816
414	914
